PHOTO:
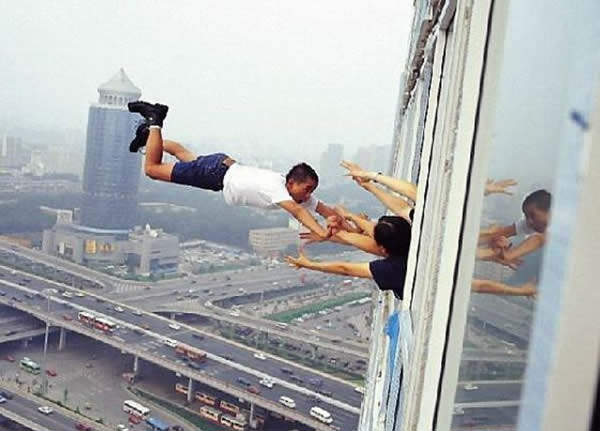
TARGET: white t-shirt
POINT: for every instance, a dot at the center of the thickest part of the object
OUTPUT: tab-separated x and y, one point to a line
521	228
256	187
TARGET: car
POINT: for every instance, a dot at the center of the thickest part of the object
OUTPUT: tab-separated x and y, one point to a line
169	342
6	394
119	309
99	299
138	331
2	293
286	370
267	381
67	317
148	288
9	358
471	387
198	336
10	332
179	298
45	410
260	356
458	411
136	312
243	381
359	389
51	372
253	390
122	427
174	326
193	365
83	427
2	400
288	402
28	295
296	379
315	381
234	313
79	294
323	392
67	294
146	326
177	428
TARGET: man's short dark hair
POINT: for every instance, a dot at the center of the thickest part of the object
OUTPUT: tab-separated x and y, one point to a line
302	172
393	234
541	199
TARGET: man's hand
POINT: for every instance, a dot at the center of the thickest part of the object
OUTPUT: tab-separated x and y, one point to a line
500	242
530	289
299	262
499	187
309	238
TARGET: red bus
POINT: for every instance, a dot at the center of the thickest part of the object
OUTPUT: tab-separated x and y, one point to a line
192	353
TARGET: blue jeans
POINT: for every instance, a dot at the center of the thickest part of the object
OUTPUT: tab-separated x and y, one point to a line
206	172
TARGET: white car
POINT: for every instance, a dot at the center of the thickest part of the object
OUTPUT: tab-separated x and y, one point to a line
260	356
79	294
359	389
45	410
470	387
175	326
267	381
122	427
2	400
288	402
458	411
169	342
136	312
67	294
234	313
119	309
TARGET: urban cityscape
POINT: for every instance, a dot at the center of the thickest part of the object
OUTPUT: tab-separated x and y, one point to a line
393	232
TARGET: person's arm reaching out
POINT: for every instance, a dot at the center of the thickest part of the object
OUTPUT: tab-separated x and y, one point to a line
395	204
405	188
529	245
303	216
342	268
326	211
364	224
360	241
498	288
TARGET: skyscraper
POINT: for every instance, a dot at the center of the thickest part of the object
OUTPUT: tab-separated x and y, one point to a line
329	168
111	173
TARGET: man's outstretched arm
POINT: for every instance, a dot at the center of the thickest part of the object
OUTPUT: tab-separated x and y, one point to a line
303	216
342	268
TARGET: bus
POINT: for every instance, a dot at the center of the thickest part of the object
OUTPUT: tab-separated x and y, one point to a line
154	424
237	424
135	409
105	324
229	407
85	317
321	414
210	414
206	399
29	366
192	353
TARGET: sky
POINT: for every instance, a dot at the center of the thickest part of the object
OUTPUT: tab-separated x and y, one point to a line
270	74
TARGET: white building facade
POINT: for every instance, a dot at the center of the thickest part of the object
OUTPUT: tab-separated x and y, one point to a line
494	90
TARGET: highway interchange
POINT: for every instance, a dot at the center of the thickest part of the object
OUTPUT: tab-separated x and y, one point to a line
148	299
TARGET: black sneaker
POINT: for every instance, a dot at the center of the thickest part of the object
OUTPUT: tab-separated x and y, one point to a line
141	136
154	114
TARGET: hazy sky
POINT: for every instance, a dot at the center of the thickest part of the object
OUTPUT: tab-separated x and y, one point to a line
273	73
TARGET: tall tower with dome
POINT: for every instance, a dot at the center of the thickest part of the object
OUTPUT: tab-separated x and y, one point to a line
111	173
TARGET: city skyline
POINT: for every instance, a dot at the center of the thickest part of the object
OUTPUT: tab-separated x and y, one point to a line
225	75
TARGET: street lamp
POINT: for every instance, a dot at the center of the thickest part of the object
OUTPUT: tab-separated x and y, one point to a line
46	292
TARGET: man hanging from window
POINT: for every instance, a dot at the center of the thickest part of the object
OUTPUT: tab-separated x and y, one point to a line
241	185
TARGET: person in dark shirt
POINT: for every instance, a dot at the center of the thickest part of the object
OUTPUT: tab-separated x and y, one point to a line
392	238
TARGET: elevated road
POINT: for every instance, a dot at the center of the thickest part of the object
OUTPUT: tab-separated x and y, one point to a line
217	372
23	409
